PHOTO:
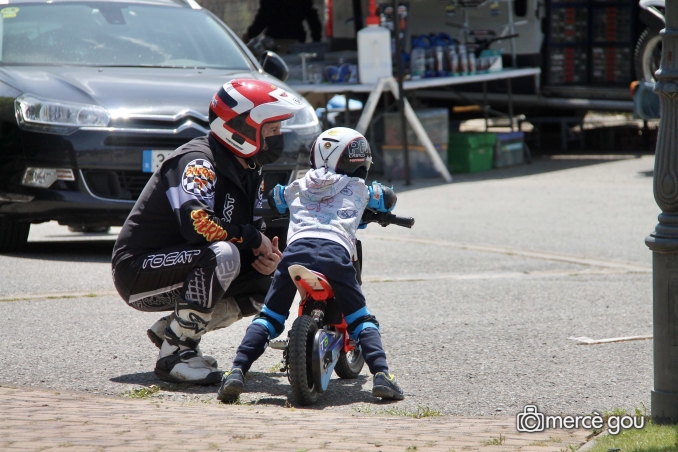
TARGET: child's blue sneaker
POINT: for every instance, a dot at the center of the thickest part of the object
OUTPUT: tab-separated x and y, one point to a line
232	386
385	386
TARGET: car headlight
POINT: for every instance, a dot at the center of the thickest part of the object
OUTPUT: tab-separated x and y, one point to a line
304	118
41	113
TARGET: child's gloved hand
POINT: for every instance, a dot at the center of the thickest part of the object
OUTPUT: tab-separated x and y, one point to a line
276	199
382	199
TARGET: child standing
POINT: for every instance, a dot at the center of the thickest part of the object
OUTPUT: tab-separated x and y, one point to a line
325	211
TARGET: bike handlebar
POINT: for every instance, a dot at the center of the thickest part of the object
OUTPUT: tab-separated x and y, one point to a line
386	218
369	216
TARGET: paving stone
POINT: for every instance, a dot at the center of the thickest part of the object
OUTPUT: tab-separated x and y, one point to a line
70	422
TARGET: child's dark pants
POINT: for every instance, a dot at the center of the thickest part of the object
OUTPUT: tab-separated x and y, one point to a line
332	260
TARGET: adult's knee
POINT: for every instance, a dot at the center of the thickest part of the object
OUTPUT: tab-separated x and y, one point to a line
227	262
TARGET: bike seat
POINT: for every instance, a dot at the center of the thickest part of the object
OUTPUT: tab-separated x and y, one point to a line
310	282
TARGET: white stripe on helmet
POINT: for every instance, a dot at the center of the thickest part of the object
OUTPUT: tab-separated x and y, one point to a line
285	103
217	127
244	104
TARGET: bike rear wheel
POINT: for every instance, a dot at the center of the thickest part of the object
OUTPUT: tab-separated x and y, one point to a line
349	364
300	351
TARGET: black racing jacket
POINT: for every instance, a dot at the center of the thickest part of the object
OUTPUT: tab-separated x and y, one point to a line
200	194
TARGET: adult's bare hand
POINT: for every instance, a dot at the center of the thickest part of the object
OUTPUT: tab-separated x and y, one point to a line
265	247
267	263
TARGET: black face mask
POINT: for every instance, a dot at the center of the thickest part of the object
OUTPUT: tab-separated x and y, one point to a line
275	146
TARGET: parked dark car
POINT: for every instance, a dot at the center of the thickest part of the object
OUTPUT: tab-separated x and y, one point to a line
94	94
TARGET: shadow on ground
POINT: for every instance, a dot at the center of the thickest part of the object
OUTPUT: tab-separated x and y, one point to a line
68	251
274	385
540	165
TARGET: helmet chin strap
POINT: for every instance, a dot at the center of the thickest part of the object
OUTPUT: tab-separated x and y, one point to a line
252	164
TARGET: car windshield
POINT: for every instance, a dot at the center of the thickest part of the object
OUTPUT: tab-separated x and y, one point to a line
115	34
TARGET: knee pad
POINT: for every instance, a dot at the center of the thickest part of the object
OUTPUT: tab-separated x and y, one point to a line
274	322
359	321
227	262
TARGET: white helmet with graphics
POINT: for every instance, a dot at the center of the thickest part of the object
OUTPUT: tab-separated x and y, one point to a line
342	151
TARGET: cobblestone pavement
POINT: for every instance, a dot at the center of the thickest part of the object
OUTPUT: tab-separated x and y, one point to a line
40	420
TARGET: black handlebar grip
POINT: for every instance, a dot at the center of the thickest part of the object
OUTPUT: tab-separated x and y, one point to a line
271	201
390	198
406	222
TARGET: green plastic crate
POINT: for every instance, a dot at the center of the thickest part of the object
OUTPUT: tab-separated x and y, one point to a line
470	152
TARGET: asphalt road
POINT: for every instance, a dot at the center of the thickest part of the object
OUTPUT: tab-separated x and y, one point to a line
476	302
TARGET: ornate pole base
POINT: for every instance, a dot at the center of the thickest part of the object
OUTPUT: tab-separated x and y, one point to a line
664	241
664	407
664	245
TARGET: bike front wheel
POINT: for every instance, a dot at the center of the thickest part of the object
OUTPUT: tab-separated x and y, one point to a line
300	356
349	364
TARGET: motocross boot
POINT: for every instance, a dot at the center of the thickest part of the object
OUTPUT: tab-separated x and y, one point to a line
385	386
156	333
179	361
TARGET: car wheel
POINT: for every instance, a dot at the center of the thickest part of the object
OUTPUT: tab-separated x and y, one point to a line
13	235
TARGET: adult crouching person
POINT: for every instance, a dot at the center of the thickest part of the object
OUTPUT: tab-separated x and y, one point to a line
191	244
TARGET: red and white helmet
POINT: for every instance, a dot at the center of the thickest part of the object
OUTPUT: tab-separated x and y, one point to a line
242	106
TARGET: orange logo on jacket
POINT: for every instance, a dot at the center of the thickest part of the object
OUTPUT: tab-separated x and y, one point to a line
206	173
206	227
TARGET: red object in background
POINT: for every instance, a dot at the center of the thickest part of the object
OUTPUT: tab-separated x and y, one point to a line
328	18
372	19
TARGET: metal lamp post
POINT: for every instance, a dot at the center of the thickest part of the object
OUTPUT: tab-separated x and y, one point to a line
664	241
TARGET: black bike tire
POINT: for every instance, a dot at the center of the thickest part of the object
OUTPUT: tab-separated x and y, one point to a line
348	369
299	349
646	37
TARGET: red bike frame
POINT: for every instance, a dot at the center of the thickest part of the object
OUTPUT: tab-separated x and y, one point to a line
314	295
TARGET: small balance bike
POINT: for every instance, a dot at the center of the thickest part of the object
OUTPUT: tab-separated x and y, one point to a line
318	342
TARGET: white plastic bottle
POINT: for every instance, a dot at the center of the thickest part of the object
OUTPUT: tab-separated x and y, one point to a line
374	50
418	62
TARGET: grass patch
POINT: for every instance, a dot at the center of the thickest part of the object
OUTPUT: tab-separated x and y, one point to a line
616	412
496	441
419	413
653	438
243	437
141	393
275	368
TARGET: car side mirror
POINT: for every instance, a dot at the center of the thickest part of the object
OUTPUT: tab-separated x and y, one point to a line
274	65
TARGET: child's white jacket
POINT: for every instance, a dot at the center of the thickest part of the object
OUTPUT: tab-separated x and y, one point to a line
326	205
